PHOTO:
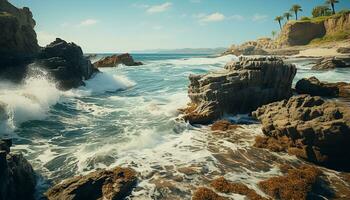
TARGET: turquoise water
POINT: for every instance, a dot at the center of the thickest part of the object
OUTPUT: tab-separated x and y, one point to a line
124	116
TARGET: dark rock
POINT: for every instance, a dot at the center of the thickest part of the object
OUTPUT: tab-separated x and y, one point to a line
18	43
203	193
112	184
114	60
332	63
17	178
343	50
308	127
66	63
315	87
241	88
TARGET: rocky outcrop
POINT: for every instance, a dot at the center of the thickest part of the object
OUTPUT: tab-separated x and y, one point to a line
115	60
66	63
112	184
17	178
344	50
332	63
18	43
308	127
314	87
241	88
302	32
257	47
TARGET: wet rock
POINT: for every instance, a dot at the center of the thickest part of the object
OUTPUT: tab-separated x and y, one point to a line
332	63
224	186
17	178
103	184
203	193
308	127
114	60
66	63
3	112
223	125
241	88
296	184
315	87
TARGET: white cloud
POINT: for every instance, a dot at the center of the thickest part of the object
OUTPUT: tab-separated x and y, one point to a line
159	8
45	38
259	17
214	17
88	22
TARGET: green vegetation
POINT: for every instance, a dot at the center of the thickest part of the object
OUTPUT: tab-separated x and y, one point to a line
319	11
337	36
296	8
287	15
332	2
273	33
279	19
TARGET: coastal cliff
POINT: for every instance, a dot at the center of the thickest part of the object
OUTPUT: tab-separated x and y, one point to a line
18	40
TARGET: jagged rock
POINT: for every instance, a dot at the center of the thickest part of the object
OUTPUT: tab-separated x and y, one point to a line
251	47
241	88
66	63
112	184
332	63
114	60
17	178
18	43
315	87
344	50
308	127
204	193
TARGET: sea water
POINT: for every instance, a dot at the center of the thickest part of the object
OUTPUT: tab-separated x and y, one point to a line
127	116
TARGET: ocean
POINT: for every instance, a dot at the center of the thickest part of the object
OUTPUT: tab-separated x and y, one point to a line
128	116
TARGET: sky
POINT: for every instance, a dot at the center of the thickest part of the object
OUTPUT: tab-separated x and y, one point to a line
129	25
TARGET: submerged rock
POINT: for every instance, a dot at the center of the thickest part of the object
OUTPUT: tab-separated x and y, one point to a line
308	127
112	184
203	193
114	60
241	88
17	178
332	63
66	63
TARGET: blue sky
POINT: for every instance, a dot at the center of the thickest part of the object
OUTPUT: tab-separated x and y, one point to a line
126	25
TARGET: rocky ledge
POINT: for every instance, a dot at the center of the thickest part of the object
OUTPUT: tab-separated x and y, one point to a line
66	63
115	60
17	178
112	184
315	87
308	127
241	87
328	63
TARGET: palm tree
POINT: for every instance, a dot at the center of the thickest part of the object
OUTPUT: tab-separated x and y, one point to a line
287	15
332	2
273	33
279	19
296	8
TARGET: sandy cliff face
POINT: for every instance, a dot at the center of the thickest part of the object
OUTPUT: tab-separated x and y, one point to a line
303	32
17	35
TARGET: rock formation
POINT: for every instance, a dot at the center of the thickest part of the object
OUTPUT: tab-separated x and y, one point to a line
302	32
112	184
66	63
315	87
308	127
332	63
17	178
18	43
344	50
114	60
241	88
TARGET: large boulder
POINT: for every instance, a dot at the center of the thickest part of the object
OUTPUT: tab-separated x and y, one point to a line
17	178
241	87
115	60
315	87
66	63
112	184
18	41
332	63
308	127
